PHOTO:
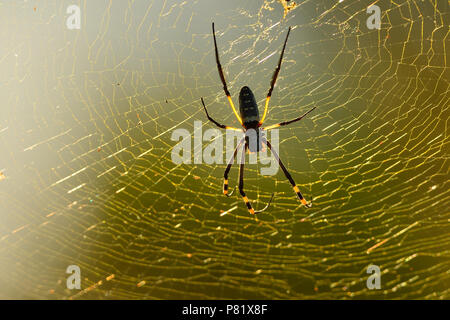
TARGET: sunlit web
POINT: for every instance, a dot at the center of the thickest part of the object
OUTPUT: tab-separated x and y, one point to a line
87	178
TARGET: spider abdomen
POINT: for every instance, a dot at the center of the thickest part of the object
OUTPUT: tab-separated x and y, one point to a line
248	108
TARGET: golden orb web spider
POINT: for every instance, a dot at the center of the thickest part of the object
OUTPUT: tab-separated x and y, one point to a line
249	119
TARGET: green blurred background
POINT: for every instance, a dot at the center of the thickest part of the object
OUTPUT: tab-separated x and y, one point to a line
87	178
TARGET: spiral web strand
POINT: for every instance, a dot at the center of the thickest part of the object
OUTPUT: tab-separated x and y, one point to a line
87	177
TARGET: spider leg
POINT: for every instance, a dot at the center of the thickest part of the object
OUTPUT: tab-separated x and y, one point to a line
241	186
222	77
274	79
287	122
227	170
215	122
288	175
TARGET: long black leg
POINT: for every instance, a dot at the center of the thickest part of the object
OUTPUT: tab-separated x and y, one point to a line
287	122
215	122
227	170
288	175
274	79
222	76
241	185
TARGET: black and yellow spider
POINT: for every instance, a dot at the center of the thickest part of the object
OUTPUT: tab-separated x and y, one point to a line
249	119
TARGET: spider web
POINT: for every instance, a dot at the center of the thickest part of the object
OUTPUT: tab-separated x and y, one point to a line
87	177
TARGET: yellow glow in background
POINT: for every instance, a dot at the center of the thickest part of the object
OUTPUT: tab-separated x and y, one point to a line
85	147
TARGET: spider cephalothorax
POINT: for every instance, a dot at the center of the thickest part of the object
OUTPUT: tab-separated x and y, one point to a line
254	138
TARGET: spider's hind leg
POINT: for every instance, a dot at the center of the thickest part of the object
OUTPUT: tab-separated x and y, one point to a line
288	176
227	170
241	187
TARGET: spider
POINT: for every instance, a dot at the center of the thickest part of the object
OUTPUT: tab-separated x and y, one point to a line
249	119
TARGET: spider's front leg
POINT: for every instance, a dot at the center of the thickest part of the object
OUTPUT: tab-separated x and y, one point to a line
274	79
222	77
